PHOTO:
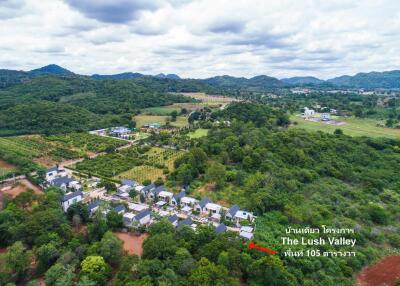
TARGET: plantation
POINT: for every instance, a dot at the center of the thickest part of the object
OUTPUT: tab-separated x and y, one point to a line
30	152
87	142
132	163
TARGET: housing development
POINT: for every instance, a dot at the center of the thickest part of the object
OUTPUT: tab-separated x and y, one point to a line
199	143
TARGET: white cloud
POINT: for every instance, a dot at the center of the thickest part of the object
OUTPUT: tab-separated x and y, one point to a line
202	38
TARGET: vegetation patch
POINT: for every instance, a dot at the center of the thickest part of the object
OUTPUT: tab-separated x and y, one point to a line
181	121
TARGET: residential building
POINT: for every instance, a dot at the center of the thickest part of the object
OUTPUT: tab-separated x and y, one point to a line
62	182
153	194
120	131
71	198
230	214
93	207
325	116
244	215
221	228
120	209
176	199
308	112
184	222
246	232
143	217
188	202
200	206
53	173
174	220
213	208
165	196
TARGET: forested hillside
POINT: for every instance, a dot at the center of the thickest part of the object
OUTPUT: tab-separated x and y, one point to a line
55	104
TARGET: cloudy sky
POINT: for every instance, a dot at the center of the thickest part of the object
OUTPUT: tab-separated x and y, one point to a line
202	38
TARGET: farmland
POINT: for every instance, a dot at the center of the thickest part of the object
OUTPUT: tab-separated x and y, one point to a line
27	152
141	120
132	163
353	127
157	161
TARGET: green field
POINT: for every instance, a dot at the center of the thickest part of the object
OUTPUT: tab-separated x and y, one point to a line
161	110
198	133
353	127
141	120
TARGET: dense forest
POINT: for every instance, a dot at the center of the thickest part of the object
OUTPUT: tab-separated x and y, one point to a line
52	104
296	178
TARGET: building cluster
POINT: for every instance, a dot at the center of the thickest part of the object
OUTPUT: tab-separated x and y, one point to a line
157	202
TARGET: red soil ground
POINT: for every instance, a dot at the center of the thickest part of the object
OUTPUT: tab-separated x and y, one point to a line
132	243
20	187
384	273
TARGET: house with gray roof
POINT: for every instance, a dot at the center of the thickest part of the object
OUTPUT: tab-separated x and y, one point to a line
62	182
230	214
176	199
187	222
153	194
120	209
148	188
71	198
201	206
143	217
221	228
174	220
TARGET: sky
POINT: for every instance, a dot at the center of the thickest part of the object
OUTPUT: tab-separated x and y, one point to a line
202	38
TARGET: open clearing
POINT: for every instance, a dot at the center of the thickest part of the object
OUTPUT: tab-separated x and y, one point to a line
132	243
20	187
141	120
198	133
384	273
353	127
209	98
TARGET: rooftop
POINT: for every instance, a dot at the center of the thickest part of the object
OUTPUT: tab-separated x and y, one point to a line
71	195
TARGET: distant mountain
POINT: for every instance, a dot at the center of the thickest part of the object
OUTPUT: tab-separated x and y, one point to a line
302	80
257	83
53	70
170	76
125	75
387	79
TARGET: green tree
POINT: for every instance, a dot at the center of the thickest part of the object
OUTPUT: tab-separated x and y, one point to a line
96	269
207	273
17	259
216	173
114	220
111	248
161	246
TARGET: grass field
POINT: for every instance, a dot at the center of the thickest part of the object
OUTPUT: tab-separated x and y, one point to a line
353	127
162	110
141	120
198	133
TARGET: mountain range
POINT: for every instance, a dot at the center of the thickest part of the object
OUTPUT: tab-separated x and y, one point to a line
386	79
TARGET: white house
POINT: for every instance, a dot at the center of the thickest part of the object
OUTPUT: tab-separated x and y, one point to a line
52	173
120	131
62	182
176	199
137	207
188	202
127	185
201	206
325	116
244	215
153	194
93	207
143	217
308	112
128	218
246	232
230	214
71	198
165	196
213	208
